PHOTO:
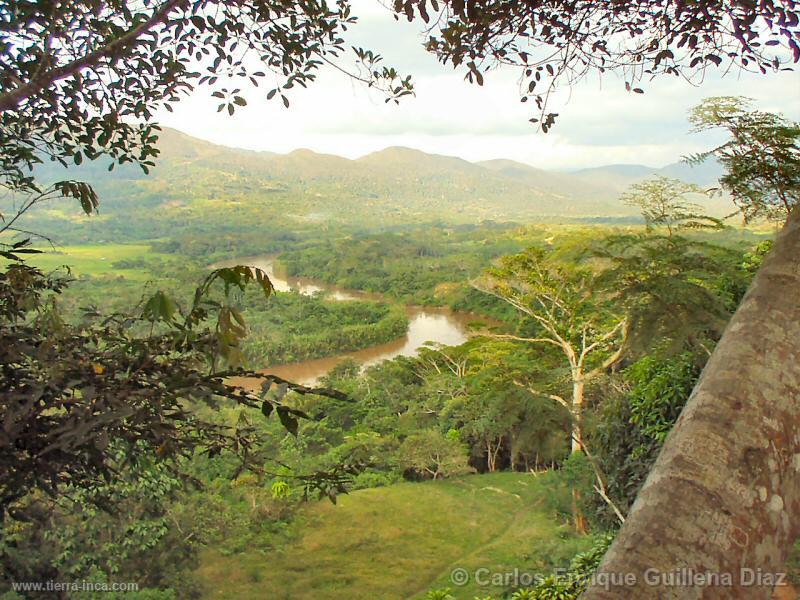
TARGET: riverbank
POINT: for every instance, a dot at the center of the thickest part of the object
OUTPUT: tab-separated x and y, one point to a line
436	325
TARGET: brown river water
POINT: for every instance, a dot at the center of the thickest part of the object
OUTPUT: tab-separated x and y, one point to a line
425	324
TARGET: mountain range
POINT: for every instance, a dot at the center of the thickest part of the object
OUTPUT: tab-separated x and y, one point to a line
195	178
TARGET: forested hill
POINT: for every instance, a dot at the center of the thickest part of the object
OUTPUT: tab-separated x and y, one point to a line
197	184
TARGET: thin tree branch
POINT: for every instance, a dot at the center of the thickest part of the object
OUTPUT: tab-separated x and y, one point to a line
600	488
604	338
611	360
506	336
536	392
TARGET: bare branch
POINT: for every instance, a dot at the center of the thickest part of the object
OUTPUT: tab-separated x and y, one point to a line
505	336
611	360
600	488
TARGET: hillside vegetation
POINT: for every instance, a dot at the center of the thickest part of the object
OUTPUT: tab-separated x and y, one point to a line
218	199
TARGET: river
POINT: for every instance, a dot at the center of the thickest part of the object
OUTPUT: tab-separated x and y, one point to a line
425	324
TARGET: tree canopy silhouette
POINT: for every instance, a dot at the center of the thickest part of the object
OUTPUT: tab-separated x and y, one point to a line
557	43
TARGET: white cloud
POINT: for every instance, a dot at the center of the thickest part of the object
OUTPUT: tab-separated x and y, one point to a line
598	124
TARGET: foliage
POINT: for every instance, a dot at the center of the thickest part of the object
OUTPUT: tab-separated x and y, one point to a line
793	563
637	412
504	424
280	489
761	158
662	202
287	327
90	75
424	265
441	594
624	455
581	568
568	584
69	538
78	190
295	327
570	491
71	394
673	288
431	453
584	564
659	389
571	584
563	42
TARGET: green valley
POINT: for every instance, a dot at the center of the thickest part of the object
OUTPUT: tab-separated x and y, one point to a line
406	375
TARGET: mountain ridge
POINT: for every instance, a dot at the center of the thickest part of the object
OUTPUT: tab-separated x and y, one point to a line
395	185
636	169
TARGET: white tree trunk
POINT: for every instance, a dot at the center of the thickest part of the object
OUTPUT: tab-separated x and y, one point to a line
577	412
724	494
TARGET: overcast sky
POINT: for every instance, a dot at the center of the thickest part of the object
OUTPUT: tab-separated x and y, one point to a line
600	122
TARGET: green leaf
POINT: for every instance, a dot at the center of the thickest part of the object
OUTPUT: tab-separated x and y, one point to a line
288	421
159	307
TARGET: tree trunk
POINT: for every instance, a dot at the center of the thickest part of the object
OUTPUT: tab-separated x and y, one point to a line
491	456
578	518
577	411
724	494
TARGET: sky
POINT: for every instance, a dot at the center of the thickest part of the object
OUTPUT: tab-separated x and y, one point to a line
599	123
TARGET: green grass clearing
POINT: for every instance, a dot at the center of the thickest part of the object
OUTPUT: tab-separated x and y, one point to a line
97	260
400	541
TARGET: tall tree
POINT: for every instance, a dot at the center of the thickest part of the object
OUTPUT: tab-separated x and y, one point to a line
761	157
569	313
725	490
662	202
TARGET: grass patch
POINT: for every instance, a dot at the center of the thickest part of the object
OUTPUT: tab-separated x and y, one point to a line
400	541
98	260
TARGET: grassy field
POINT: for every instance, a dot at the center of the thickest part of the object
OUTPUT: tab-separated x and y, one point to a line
401	541
97	260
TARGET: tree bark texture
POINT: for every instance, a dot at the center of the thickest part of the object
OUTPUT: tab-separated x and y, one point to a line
724	494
